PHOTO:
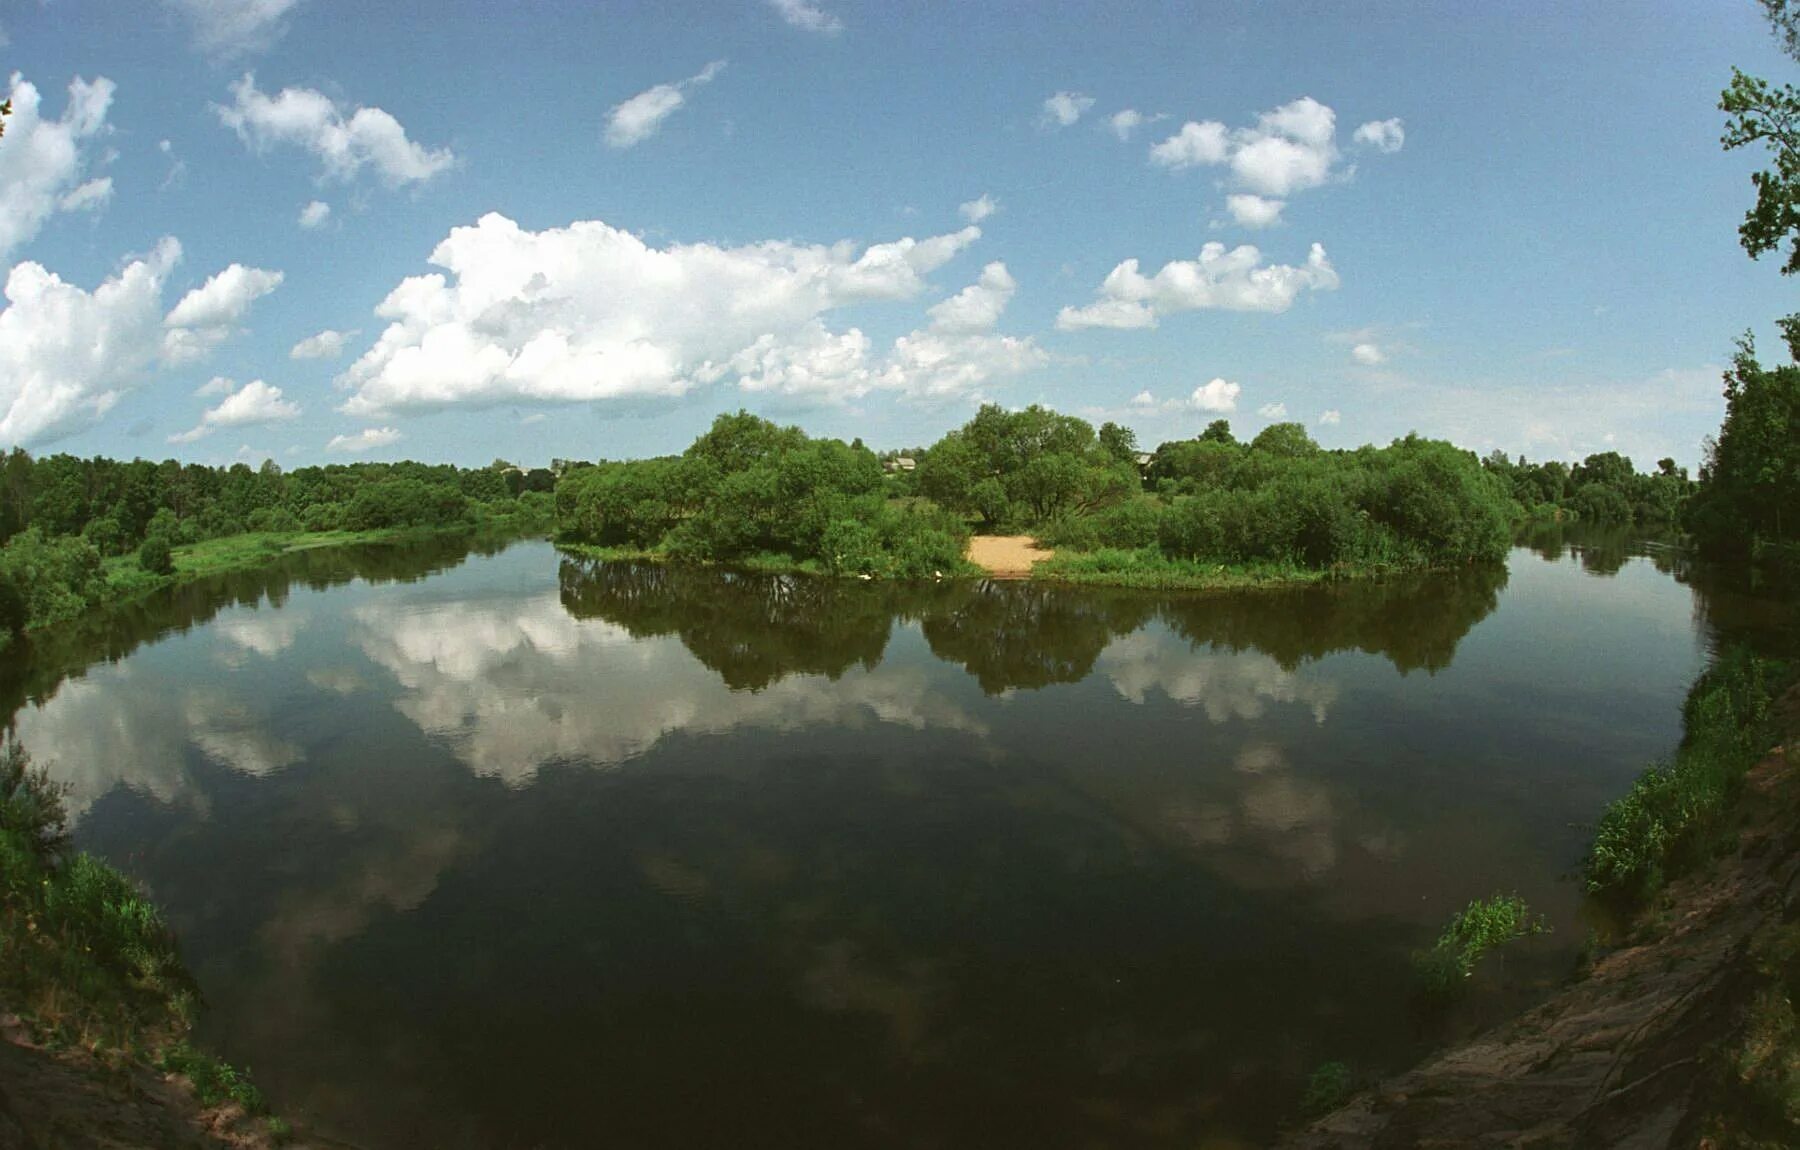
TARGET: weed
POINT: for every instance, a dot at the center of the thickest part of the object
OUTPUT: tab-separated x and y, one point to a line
1472	932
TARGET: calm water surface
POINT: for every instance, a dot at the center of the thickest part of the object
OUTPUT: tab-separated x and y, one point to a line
513	850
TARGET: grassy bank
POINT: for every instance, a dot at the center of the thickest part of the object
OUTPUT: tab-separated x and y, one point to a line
1679	814
87	962
761	563
1150	568
121	578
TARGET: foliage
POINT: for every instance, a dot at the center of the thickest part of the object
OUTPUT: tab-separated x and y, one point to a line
1675	813
748	488
1016	468
215	1081
1749	493
1327	1088
1471	934
82	952
1605	488
155	556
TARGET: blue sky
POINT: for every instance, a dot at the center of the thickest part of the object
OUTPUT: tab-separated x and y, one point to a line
1510	226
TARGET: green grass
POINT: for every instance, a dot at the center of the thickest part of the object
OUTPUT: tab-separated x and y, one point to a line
766	563
1678	814
1473	933
127	579
86	959
1329	1087
1150	568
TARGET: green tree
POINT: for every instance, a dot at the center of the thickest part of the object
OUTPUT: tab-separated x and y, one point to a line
1218	431
1119	442
1749	491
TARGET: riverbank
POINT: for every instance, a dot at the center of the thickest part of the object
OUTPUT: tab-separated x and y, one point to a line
1149	569
124	578
1686	1035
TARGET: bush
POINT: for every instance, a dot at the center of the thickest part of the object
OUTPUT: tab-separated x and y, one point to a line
1328	1088
1471	934
1675	813
155	557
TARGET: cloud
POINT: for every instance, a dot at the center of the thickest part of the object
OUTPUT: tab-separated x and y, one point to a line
1217	395
807	17
254	404
1290	149
89	197
327	344
227	28
1368	354
314	214
975	211
177	173
978	306
1330	418
208	315
42	161
217	385
67	355
344	144
1254	211
1064	109
1195	144
590	312
1233	279
1125	122
1382	135
367	439
1275	411
635	120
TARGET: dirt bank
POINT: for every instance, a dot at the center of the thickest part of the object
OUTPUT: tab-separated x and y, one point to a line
1006	556
68	1100
1626	1057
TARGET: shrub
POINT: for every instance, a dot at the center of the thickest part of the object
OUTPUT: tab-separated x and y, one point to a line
1675	812
1471	934
1328	1088
155	557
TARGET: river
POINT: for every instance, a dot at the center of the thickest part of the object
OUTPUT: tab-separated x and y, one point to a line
502	848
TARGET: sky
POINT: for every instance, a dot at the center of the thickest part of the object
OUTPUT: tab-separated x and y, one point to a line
319	230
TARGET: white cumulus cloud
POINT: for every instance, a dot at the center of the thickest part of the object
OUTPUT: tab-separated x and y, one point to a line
226	28
1065	108
633	121
1217	395
208	315
1232	279
254	404
1275	411
327	344
1368	354
367	439
975	211
1330	418
807	17
67	355
314	214
344	141
1382	135
42	161
590	312
1254	211
1289	149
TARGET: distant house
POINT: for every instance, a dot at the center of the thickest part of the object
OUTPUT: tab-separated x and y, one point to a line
900	463
1144	459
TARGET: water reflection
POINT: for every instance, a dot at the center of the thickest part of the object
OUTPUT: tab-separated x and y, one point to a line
536	845
755	629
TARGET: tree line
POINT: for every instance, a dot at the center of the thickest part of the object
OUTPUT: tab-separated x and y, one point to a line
748	490
62	517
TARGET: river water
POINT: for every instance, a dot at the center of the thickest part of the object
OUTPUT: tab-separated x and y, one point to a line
501	848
